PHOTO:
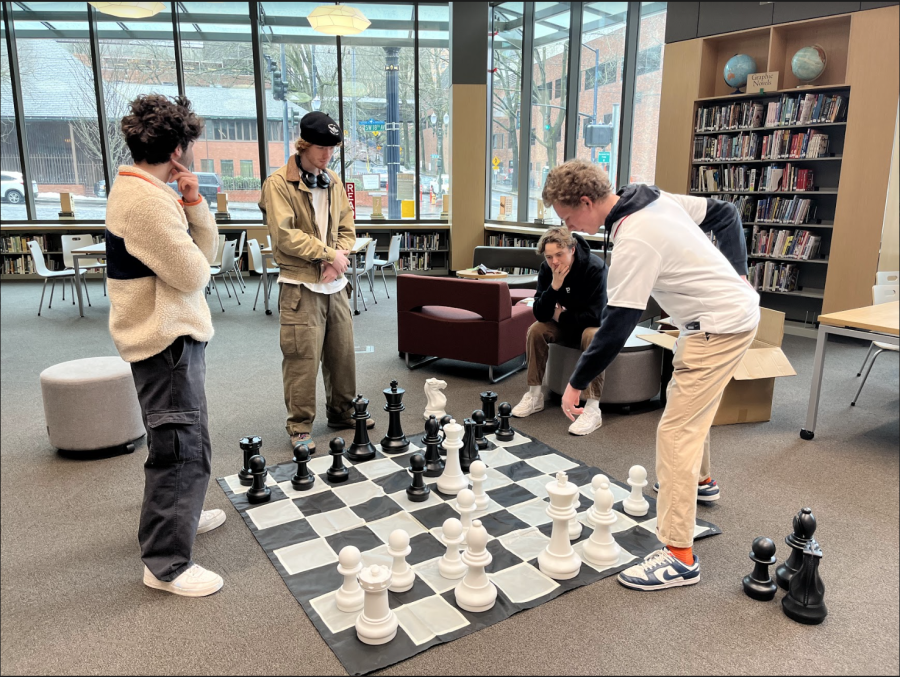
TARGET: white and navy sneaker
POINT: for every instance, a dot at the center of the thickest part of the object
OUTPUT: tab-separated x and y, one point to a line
587	422
210	519
660	570
528	405
706	493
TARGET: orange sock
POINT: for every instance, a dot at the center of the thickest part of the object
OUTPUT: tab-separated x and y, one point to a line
706	481
686	555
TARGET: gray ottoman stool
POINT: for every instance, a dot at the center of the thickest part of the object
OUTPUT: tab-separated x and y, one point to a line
634	376
91	404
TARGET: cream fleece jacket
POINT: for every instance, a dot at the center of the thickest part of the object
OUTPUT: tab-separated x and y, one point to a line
158	263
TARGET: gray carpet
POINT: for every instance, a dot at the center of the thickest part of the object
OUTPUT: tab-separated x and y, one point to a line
73	601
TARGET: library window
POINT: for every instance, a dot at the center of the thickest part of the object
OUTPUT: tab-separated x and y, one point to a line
207	165
227	167
246	168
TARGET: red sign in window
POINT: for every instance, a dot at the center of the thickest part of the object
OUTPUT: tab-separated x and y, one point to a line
351	195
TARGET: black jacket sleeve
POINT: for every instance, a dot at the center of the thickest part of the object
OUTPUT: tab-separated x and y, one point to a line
545	298
595	290
724	221
618	323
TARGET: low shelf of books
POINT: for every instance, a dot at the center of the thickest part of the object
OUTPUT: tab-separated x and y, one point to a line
777	158
421	251
16	262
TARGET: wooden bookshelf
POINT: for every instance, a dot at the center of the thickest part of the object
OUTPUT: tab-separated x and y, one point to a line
420	260
863	51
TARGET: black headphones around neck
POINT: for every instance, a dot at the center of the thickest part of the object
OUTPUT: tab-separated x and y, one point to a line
310	180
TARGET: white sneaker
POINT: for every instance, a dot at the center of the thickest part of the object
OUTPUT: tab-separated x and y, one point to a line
528	405
195	581
587	423
210	519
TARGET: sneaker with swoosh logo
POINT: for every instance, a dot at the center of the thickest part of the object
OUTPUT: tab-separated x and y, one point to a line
660	570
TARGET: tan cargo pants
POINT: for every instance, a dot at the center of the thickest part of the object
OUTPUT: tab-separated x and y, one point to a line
316	328
704	364
537	348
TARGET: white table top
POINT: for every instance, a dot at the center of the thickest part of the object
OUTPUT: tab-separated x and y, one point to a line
99	248
360	244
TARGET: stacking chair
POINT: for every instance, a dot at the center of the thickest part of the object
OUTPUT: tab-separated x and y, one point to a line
392	258
881	293
256	261
224	269
218	260
70	242
237	261
366	269
40	266
890	277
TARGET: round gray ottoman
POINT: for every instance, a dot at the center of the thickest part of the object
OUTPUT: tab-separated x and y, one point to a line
91	404
634	376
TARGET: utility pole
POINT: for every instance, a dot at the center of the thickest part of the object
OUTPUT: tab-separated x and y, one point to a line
284	107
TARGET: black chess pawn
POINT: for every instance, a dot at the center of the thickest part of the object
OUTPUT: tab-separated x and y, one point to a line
805	601
504	432
361	449
445	419
468	453
250	446
434	465
338	472
804	528
258	492
304	479
759	584
480	440
418	491
488	402
395	441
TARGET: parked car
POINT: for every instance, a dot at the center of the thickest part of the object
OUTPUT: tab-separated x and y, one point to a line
100	188
210	185
12	185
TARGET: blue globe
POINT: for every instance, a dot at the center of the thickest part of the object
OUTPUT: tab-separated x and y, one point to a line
738	68
808	63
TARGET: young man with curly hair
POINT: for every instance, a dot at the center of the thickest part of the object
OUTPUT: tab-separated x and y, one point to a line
659	251
159	248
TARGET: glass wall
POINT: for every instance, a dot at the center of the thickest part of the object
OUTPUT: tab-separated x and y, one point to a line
648	87
14	189
433	121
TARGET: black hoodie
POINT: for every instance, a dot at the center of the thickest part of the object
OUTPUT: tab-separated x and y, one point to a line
582	294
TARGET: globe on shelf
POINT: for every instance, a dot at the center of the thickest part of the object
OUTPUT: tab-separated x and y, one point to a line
737	70
808	63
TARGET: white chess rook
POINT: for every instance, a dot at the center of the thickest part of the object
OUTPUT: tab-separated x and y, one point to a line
574	524
476	592
377	624
452	480
436	404
636	504
402	575
450	565
601	548
559	560
349	597
478	474
592	513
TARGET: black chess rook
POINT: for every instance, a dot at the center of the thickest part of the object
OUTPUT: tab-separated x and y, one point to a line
504	432
417	491
361	449
804	528
394	442
759	584
338	472
805	601
304	479
250	445
434	465
258	491
488	404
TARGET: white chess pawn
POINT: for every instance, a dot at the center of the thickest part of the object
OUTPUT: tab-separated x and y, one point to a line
592	513
559	560
636	504
452	480
574	524
465	505
402	575
450	565
377	624
478	474
349	597
476	592
601	548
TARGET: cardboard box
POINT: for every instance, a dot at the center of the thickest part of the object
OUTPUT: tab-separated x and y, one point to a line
748	396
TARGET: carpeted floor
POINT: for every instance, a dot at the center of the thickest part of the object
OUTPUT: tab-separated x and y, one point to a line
73	601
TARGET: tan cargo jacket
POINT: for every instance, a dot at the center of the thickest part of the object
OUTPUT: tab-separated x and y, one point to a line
286	204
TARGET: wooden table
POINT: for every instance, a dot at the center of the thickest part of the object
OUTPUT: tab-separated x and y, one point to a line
93	251
881	323
358	247
474	275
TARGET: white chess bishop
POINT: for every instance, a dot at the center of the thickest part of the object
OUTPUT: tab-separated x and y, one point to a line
636	504
436	401
377	624
452	480
559	560
476	592
601	548
349	597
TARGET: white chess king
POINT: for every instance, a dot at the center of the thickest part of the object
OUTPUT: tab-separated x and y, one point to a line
436	401
559	560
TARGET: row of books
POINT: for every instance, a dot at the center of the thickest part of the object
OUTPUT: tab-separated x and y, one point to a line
788	110
511	241
13	244
795	210
770	276
736	115
785	244
754	146
415	261
21	265
744	203
787	145
743	178
414	241
519	271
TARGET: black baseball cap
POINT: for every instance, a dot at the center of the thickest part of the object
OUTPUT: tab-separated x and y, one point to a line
319	129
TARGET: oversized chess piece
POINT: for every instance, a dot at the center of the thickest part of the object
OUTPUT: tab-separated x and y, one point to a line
258	492
304	479
469	451
444	421
601	548
559	560
434	465
575	527
338	472
377	624
488	403
452	480
395	441
418	491
504	432
402	575
361	449
805	600
465	506
593	512
349	597
250	446
436	401
804	528
636	504
476	592
450	565
759	584
480	440
478	474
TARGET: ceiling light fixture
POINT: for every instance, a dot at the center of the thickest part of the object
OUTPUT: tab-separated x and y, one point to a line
130	10
338	20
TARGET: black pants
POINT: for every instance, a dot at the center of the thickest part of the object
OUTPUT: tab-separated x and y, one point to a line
171	390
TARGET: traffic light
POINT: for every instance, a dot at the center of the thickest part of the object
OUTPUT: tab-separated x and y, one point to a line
295	118
596	136
278	89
